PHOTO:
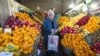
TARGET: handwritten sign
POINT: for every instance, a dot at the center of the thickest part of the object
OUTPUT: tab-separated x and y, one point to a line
6	54
7	30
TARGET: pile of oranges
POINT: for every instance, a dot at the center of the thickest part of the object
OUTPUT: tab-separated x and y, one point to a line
77	43
24	17
23	38
93	24
63	19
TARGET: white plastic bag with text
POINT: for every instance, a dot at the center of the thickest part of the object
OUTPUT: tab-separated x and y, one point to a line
53	43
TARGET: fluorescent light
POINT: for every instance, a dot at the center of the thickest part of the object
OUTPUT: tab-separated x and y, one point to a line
53	9
85	8
88	1
45	11
71	5
94	5
75	8
38	7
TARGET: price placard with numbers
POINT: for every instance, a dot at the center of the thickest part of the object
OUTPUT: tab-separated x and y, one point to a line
6	54
7	30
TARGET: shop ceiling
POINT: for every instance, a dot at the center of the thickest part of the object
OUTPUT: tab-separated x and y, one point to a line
44	5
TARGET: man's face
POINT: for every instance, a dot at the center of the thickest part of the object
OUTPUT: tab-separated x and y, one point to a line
51	16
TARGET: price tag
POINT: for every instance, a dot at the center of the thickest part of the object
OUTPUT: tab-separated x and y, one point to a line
6	54
7	30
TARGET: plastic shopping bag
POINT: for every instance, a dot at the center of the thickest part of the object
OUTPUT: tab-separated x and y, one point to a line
98	54
53	43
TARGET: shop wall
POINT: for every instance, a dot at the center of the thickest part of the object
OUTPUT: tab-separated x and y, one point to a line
4	11
60	5
0	12
43	5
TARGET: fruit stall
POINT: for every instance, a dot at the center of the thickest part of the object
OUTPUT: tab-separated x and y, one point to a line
81	35
20	33
22	36
80	31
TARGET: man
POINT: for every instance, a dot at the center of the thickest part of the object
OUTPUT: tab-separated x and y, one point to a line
49	27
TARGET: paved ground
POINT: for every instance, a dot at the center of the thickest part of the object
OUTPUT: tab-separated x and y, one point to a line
59	53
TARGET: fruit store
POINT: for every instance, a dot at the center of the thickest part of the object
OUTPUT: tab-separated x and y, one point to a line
77	32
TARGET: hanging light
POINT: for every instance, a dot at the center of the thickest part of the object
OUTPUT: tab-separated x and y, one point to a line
45	11
38	7
71	5
53	9
94	5
88	1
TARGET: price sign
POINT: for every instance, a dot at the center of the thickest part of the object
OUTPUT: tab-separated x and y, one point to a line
6	54
7	30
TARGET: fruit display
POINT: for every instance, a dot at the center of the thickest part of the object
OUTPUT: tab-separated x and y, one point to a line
83	21
12	22
92	25
67	29
25	31
76	29
63	19
71	22
21	19
97	18
4	39
96	47
77	43
66	24
24	17
21	39
95	36
26	38
76	18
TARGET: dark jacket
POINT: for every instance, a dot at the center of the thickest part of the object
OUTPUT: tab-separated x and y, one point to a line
48	25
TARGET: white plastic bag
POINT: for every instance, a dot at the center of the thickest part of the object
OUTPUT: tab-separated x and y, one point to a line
6	53
53	43
98	54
